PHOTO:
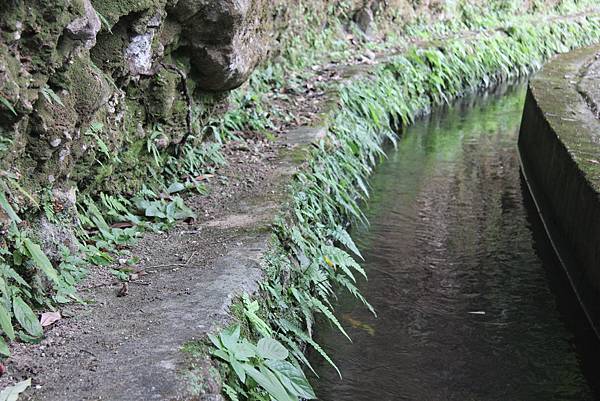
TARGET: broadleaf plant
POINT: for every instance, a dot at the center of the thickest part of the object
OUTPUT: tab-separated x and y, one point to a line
264	367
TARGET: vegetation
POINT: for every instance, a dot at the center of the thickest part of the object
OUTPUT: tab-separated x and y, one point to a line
312	253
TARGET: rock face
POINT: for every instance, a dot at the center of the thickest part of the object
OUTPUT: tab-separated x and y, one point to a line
224	39
88	86
86	27
65	65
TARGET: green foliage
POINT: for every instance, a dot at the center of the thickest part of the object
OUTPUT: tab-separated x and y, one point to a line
95	131
22	267
51	96
263	369
311	256
163	210
8	209
7	104
11	393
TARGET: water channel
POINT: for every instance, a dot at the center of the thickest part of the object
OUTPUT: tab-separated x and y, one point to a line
471	300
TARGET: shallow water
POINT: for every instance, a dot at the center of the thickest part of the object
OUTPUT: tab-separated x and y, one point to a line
471	302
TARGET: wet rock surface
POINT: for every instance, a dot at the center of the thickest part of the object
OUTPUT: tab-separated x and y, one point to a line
589	84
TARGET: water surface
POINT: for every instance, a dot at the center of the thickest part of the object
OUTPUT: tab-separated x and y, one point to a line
471	303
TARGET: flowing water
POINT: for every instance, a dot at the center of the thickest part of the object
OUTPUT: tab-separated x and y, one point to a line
471	302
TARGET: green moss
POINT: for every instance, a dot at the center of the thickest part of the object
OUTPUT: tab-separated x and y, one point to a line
113	10
162	94
108	52
195	348
168	35
87	85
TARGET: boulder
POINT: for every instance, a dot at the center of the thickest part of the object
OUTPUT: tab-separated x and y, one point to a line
224	39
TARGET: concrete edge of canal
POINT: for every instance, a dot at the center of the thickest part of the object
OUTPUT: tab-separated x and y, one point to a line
559	147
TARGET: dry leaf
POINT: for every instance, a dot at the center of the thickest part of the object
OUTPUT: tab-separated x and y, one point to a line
122	224
49	318
123	291
204	177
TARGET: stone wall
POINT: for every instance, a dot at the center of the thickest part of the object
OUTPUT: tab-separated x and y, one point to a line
86	86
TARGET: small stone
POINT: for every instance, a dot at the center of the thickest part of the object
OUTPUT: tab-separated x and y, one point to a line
85	28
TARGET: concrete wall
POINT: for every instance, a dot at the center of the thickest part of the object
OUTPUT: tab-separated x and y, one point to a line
560	152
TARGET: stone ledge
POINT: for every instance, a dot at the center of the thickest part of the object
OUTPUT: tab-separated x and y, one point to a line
559	145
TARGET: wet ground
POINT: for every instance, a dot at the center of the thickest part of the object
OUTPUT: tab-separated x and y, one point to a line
471	302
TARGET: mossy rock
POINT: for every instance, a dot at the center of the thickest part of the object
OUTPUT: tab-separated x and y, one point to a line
108	52
162	93
87	85
113	10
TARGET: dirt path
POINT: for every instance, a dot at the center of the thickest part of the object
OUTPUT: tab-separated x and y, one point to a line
128	347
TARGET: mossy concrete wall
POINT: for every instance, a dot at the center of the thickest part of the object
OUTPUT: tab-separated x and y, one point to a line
559	145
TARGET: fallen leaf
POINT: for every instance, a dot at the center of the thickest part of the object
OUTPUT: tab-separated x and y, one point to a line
122	224
123	291
49	318
204	177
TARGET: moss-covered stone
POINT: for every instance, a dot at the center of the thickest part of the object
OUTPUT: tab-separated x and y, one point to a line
113	10
162	94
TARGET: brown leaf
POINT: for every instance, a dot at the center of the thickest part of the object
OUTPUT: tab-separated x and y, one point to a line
122	224
204	177
123	291
49	318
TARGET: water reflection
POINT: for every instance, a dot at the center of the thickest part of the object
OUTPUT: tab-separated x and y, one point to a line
467	310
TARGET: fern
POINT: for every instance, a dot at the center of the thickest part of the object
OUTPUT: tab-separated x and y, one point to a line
306	309
329	314
355	291
343	260
288	326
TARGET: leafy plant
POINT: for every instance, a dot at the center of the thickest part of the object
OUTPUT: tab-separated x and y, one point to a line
263	366
95	131
11	393
7	104
161	209
51	96
18	294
